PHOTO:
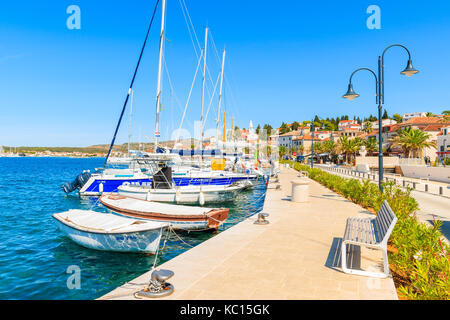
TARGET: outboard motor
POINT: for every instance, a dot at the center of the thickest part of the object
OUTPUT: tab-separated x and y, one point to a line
163	178
77	184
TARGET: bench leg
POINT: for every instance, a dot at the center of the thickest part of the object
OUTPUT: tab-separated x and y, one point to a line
385	262
384	274
344	258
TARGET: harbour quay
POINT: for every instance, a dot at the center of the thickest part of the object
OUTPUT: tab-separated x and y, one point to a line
296	255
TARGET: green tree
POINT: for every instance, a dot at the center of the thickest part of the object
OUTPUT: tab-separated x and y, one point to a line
284	128
385	115
258	129
397	117
295	125
268	129
282	151
446	112
292	150
306	123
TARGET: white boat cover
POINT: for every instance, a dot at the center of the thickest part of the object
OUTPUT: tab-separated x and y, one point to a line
103	222
138	205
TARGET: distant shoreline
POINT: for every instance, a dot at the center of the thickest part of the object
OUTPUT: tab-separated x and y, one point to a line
52	156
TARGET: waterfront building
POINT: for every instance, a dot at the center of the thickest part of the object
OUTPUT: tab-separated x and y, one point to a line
384	122
350	125
443	143
408	116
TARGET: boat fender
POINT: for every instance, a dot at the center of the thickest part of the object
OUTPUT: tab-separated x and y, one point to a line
148	197
201	198
100	188
178	196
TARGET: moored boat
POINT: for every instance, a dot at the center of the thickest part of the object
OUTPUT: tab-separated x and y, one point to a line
109	232
179	217
184	195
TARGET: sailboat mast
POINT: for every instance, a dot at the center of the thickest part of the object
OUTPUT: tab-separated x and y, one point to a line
158	87
129	121
224	129
203	87
220	94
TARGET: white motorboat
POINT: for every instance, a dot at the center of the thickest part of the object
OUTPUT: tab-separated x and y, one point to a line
179	217
109	232
184	195
141	172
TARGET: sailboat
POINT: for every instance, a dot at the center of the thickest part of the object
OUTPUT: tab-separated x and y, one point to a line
139	171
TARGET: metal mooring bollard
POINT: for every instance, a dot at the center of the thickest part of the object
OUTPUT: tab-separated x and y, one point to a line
158	287
262	218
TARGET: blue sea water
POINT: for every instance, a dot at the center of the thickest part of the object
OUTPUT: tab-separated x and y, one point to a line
35	256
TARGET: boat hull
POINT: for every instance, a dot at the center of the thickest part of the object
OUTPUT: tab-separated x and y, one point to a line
186	222
136	242
98	185
191	196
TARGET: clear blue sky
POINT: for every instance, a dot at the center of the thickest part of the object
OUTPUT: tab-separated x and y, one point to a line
287	60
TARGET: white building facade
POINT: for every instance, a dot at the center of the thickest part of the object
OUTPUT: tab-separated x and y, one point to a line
408	116
443	143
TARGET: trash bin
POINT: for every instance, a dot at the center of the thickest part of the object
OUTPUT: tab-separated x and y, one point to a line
300	190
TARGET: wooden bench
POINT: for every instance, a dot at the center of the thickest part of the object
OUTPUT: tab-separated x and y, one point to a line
373	233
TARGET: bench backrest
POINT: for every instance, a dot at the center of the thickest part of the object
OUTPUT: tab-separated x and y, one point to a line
385	222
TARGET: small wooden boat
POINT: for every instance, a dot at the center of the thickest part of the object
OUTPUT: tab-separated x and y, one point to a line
184	195
179	217
109	232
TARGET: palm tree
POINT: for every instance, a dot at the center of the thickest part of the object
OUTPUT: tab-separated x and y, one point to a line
413	141
368	127
371	145
345	146
329	146
318	147
349	147
301	149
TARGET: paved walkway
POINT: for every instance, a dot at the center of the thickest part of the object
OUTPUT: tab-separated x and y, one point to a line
296	256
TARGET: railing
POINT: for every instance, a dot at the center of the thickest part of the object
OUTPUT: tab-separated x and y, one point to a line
422	185
411	161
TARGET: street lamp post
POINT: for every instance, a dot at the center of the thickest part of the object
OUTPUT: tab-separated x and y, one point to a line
312	144
445	149
350	95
